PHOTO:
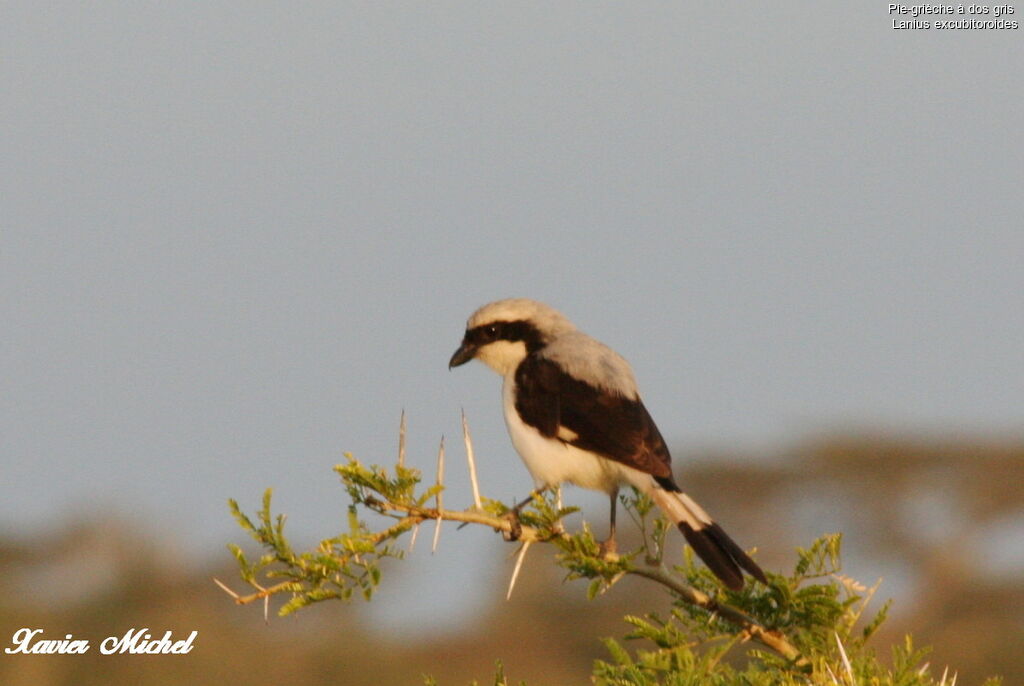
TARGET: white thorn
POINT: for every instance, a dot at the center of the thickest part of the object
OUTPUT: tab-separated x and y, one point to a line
412	539
401	440
608	586
519	565
472	462
437	536
440	500
225	588
846	660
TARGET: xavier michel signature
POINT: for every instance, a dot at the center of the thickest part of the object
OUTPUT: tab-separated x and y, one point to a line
133	642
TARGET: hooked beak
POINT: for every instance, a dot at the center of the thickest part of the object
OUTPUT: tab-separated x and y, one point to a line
465	353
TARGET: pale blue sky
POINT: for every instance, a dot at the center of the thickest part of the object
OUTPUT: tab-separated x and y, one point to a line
238	239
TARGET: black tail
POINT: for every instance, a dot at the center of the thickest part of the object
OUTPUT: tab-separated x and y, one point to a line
721	554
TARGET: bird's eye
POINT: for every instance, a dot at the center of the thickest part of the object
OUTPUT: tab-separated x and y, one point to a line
491	332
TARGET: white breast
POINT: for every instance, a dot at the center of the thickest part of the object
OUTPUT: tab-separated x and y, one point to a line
552	462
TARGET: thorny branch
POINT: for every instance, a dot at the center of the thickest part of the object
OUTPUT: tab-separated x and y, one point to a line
751	628
395	499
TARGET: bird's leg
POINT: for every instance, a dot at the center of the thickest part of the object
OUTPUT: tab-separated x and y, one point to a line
512	515
608	548
558	528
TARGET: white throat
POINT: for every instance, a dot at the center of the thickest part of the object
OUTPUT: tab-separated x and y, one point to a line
502	356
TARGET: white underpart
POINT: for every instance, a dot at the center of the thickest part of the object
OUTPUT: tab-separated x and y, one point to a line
552	462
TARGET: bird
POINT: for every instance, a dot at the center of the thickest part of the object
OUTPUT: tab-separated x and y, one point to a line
574	415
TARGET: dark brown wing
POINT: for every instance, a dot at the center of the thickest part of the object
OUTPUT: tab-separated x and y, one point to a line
597	420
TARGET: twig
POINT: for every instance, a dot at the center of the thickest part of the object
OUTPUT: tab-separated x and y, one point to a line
262	594
416	515
750	626
409	514
772	639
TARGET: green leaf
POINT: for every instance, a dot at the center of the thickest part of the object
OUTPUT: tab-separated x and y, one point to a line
242	520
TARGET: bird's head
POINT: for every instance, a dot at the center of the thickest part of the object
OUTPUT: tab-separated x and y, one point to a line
502	333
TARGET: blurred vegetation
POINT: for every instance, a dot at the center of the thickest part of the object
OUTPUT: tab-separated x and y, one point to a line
943	521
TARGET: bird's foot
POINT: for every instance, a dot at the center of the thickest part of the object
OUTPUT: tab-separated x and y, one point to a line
608	549
515	530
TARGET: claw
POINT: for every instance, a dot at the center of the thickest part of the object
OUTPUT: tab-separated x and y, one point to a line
516	529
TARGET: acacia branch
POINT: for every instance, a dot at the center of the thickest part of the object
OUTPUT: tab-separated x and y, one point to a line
409	516
416	515
372	488
261	594
750	627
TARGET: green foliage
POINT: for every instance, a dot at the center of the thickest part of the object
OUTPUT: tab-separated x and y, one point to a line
816	608
341	565
808	627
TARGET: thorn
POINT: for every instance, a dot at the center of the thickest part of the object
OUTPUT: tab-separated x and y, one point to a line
266	602
846	660
225	588
412	539
472	461
440	500
401	440
519	565
611	582
437	536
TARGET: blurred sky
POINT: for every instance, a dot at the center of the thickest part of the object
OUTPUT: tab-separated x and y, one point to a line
237	239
